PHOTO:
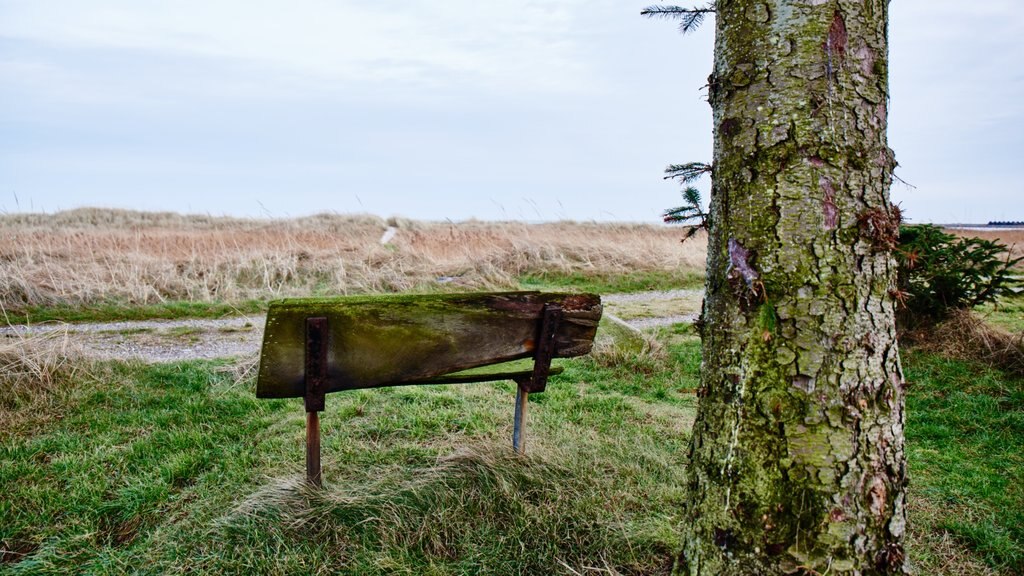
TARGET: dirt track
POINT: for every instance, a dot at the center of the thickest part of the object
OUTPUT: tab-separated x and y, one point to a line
172	340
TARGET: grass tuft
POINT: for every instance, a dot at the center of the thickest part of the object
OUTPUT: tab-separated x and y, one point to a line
965	336
31	367
482	506
649	359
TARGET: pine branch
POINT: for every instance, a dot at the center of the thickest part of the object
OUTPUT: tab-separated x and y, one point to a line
689	18
691	22
692	196
688	172
691	232
671	12
690	212
679	215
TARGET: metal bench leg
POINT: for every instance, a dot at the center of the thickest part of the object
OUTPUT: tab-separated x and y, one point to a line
313	449
519	424
550	317
316	378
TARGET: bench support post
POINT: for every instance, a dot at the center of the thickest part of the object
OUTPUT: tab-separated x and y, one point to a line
316	380
313	449
518	425
537	381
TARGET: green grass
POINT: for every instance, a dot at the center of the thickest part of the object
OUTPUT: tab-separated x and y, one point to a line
965	446
179	469
173	469
614	283
1008	314
122	311
119	311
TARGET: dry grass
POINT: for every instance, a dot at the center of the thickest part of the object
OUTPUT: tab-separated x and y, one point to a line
32	369
31	365
97	256
935	551
91	256
965	336
1013	239
433	511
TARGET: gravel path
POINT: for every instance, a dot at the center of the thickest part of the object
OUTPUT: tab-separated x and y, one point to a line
642	323
156	340
172	340
141	326
651	296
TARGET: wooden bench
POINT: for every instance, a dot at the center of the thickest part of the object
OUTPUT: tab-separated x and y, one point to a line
315	346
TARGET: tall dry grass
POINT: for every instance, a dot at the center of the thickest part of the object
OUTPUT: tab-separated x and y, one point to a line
90	256
1012	239
965	336
33	369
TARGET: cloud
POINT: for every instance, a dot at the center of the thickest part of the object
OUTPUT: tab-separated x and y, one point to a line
951	63
569	102
495	45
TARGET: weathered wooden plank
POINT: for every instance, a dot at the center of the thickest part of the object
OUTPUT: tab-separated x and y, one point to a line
378	341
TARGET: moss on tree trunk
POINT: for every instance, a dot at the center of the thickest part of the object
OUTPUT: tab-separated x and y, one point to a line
797	462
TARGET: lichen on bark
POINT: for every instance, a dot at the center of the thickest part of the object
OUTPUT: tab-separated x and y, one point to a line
796	460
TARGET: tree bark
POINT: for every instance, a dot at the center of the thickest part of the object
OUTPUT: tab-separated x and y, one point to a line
796	460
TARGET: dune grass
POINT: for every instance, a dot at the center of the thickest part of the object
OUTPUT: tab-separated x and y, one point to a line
119	311
1011	238
92	263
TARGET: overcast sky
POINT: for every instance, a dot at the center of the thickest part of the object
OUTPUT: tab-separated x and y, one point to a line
497	109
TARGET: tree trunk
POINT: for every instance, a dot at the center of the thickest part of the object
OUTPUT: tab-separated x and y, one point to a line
796	461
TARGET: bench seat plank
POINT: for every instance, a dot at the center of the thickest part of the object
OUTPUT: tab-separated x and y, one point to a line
392	340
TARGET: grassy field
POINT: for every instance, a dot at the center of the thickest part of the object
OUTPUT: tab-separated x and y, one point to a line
965	448
117	468
1013	239
101	264
178	469
132	468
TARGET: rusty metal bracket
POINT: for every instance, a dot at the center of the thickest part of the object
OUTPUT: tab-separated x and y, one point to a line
552	315
316	363
316	383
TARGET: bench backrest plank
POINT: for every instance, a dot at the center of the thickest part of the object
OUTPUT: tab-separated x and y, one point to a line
378	341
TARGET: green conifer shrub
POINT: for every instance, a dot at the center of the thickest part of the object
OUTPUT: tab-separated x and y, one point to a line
940	273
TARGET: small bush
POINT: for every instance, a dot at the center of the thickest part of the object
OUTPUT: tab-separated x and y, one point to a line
940	273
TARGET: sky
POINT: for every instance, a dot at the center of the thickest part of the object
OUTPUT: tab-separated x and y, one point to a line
454	109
